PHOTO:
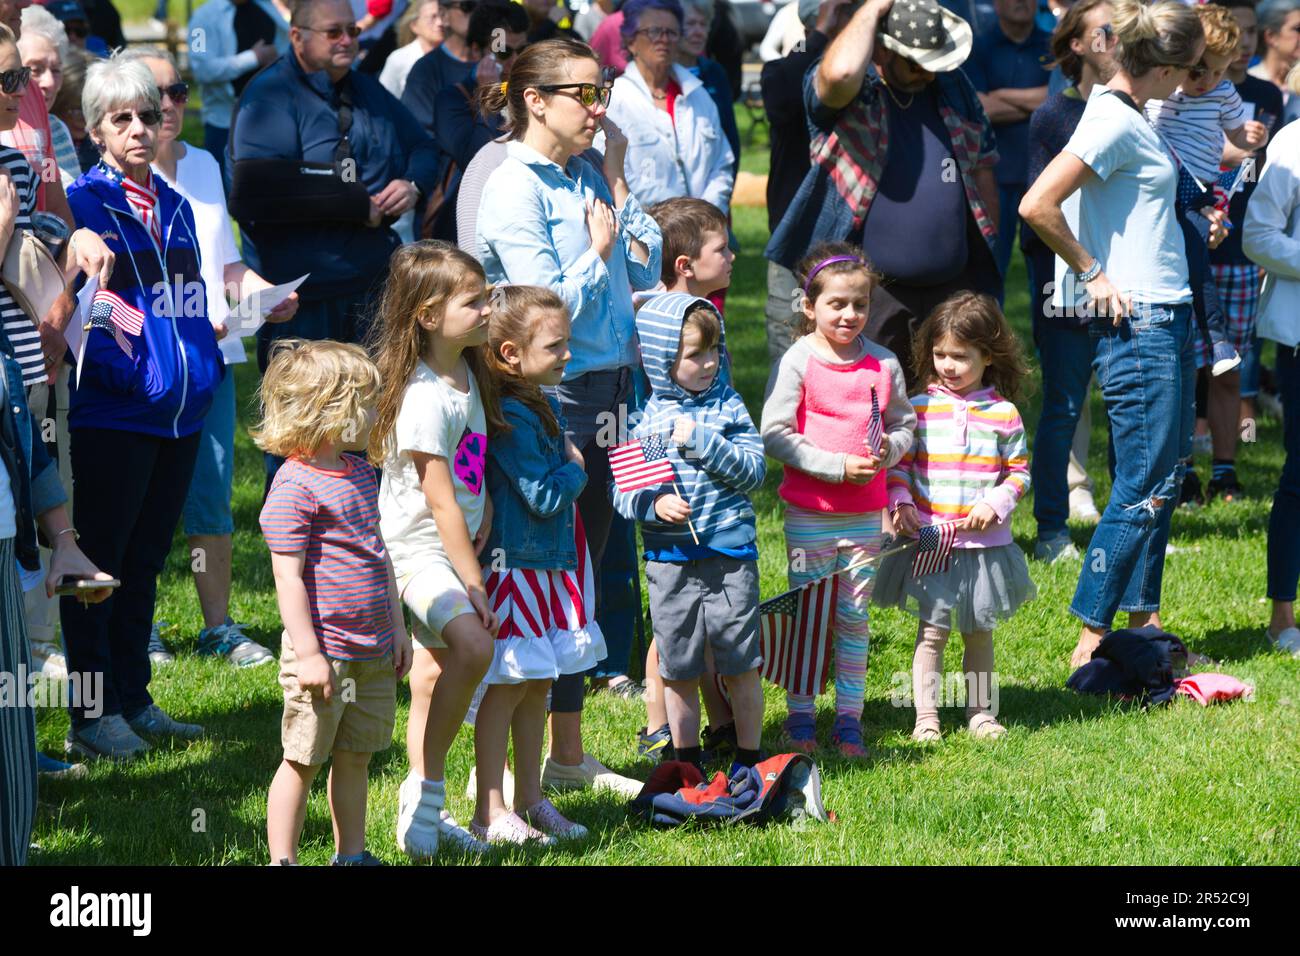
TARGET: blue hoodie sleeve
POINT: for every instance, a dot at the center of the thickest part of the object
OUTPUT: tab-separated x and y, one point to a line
544	490
733	455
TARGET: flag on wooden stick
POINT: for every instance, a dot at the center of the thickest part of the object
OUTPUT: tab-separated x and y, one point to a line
641	464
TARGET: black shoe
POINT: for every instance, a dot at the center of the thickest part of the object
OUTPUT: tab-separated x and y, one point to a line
718	743
656	747
1191	496
1226	487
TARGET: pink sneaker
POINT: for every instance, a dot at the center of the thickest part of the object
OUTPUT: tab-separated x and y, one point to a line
800	733
510	829
546	818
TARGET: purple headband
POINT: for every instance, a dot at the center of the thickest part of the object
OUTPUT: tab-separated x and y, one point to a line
823	264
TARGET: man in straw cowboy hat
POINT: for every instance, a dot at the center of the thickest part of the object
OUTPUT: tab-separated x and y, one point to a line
903	163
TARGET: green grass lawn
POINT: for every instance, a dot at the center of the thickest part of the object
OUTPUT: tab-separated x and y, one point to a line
1078	780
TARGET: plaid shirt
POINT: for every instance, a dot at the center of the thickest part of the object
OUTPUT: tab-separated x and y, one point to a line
849	150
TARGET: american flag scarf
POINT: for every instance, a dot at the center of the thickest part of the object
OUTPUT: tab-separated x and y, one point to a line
143	201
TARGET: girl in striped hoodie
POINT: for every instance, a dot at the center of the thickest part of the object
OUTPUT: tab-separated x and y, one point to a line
969	466
818	421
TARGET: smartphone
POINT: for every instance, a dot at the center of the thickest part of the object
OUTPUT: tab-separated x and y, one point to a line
72	584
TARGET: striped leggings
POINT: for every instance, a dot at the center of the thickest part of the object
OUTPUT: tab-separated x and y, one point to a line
818	544
17	724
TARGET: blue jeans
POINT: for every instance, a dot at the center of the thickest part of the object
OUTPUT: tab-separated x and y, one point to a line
1009	196
207	506
1147	373
1283	542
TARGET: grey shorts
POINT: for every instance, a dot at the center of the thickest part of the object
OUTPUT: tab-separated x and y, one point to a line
711	603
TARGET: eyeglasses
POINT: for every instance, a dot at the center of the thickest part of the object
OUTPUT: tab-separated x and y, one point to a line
655	34
334	34
15	81
123	119
506	53
178	93
589	94
464	6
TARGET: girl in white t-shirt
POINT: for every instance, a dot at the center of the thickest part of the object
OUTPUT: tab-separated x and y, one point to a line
430	433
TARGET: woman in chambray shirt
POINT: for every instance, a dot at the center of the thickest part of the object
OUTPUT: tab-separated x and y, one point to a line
550	218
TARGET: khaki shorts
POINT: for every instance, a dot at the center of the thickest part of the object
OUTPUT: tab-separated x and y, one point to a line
359	717
435	597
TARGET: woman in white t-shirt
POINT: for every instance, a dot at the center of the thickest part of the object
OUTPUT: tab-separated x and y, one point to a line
421	30
1130	261
194	173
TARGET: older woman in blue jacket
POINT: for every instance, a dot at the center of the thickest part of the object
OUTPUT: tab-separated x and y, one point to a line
148	372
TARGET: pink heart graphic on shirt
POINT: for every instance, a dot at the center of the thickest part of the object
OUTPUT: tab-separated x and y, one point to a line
470	461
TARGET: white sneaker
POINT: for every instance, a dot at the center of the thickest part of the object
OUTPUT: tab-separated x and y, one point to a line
545	817
419	802
452	834
1051	550
507	787
1082	507
49	660
1288	641
591	773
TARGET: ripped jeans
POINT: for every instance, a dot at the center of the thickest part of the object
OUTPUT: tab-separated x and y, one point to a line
1147	373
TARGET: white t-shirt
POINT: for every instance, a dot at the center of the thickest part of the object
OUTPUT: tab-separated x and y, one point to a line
437	419
198	179
398	67
1127	220
1194	126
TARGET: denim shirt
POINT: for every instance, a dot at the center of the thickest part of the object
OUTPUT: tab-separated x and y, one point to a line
533	488
532	230
33	477
849	149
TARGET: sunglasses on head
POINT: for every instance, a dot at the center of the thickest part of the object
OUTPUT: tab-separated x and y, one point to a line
589	94
335	33
123	119
15	81
178	93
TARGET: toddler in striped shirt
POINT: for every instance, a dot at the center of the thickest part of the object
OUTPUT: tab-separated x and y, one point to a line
968	466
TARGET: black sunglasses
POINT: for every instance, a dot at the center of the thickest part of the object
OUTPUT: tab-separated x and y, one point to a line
123	119
588	93
334	34
15	81
177	92
507	52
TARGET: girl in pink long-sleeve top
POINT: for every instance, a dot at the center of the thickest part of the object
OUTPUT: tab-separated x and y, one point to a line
970	465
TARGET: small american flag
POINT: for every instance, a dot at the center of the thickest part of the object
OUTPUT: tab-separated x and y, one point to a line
934	548
111	306
641	464
110	313
795	630
875	429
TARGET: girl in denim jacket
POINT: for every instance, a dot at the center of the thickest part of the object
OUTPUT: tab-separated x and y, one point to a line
538	574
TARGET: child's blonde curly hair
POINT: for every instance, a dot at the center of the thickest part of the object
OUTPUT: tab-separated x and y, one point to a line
313	393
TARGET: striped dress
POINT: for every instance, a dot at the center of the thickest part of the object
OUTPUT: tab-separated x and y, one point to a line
19	328
548	627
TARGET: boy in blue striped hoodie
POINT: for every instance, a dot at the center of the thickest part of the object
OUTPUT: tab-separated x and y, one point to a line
699	532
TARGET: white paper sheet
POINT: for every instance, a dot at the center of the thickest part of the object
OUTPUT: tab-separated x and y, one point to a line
247	317
76	330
